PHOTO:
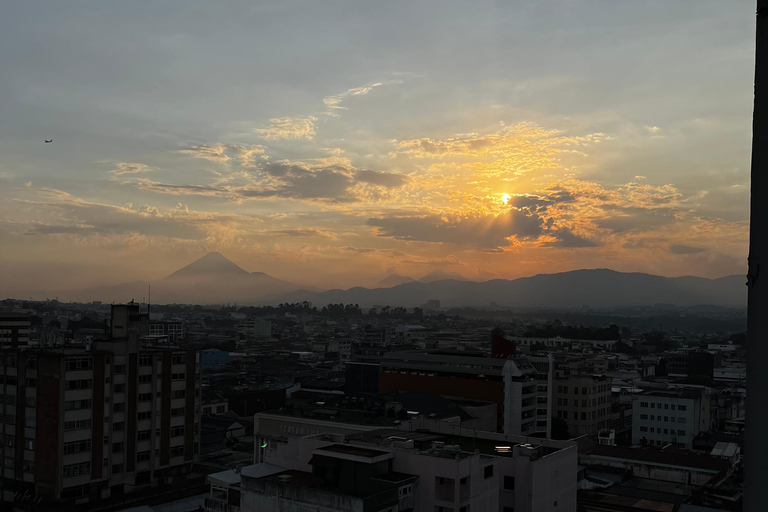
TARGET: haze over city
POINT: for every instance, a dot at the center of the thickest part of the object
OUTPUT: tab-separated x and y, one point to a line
337	143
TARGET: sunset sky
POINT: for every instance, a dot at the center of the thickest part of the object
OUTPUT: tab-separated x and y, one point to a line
333	142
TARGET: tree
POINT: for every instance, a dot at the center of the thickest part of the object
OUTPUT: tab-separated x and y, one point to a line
560	429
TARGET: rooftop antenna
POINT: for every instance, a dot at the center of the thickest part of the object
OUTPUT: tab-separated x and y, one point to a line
149	299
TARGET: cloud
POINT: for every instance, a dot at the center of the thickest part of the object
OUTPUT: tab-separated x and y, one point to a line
303	233
482	231
122	168
685	249
333	103
289	128
287	180
566	239
225	153
451	259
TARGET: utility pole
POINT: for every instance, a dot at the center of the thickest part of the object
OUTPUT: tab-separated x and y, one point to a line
756	456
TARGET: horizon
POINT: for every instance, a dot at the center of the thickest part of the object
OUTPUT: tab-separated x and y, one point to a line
615	145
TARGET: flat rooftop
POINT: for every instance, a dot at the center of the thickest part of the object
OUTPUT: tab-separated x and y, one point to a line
357	451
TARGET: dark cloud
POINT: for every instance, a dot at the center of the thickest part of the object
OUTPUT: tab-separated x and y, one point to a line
566	239
292	181
486	231
685	249
635	219
58	229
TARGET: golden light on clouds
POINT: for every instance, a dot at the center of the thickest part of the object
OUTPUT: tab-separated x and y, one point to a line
505	198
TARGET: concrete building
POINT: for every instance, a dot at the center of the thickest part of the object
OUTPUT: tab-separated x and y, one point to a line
581	399
15	329
672	416
693	362
442	467
255	327
513	384
564	343
212	357
86	423
173	329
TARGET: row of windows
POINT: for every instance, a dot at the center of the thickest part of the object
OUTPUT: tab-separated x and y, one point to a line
77	446
654	405
78	384
77	424
73	405
602	388
659	418
77	469
584	403
654	430
10	419
584	415
80	363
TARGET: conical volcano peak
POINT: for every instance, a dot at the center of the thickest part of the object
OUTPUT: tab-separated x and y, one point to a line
213	263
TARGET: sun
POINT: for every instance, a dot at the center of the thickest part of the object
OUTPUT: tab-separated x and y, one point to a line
505	198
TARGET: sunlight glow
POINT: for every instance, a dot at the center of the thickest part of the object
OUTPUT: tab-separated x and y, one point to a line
505	198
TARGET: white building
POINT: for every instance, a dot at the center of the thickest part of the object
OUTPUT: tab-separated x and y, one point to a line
672	416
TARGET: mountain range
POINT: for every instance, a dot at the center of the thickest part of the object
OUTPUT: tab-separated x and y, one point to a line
213	279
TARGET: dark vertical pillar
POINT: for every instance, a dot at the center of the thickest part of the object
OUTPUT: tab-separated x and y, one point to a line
756	450
189	408
97	438
131	414
48	419
165	410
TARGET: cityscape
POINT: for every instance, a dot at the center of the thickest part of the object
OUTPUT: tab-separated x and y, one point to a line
427	256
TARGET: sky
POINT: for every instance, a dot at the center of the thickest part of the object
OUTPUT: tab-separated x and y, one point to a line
333	142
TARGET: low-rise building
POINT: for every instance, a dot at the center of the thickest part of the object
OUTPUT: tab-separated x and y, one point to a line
670	416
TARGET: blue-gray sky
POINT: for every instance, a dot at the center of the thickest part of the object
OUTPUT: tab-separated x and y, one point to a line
332	142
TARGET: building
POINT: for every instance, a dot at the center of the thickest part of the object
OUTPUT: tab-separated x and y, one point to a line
671	416
173	329
255	327
581	399
435	465
694	362
513	383
100	420
15	329
214	357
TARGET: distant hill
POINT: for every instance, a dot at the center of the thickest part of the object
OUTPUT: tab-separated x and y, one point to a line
600	288
393	280
212	279
442	275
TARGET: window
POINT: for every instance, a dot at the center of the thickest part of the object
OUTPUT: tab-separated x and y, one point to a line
118	407
73	405
145	360
575	415
77	469
643	429
28	466
76	425
117	447
179	411
29	444
666	406
31	401
145	397
79	384
653	430
145	415
117	468
143	435
77	446
219	409
666	431
119	388
31	382
80	363
119	369
507	509
680	407
643	404
583	391
653	405
681	432
681	420
405	490
576	390
672	407
118	426
144	379
488	471
583	416
142	456
178	376
583	403
177	431
643	416
177	451
179	393
509	483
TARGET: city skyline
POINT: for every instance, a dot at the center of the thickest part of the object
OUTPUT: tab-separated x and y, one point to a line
333	146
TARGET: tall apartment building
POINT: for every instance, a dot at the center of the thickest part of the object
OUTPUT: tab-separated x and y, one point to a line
581	399
671	416
513	383
15	329
88	422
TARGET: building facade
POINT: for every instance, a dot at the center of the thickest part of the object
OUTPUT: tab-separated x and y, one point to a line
582	400
90	422
673	416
